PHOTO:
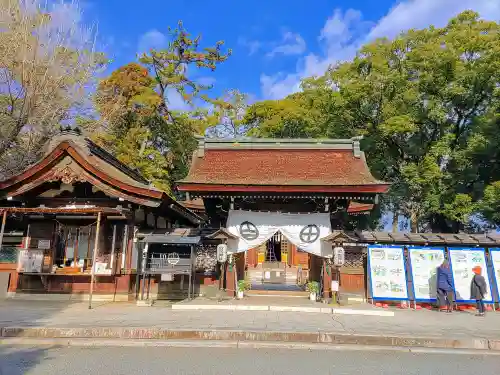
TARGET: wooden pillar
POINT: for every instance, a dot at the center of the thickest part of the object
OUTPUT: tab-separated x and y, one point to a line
130	249
2	229
327	279
14	277
94	257
230	280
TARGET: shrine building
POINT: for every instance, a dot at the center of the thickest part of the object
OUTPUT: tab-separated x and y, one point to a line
76	210
279	205
276	203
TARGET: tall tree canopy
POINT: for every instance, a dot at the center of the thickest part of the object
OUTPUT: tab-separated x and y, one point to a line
142	129
424	102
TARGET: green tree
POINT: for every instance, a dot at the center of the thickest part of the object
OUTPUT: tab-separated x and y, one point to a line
141	129
419	100
170	67
489	206
226	118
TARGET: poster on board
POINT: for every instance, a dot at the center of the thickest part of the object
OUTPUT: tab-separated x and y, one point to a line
30	261
495	260
463	260
424	263
387	273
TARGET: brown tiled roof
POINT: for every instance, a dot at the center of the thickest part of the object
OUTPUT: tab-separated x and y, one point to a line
80	159
194	204
357	207
271	165
442	239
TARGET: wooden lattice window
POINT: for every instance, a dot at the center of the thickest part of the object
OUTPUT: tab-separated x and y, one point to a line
354	258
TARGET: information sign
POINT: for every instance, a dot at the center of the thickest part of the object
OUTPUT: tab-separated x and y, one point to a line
387	272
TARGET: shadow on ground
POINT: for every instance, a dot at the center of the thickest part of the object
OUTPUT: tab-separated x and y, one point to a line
25	359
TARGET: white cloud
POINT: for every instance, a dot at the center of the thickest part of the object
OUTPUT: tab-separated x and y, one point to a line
344	33
153	39
279	85
252	45
291	44
416	14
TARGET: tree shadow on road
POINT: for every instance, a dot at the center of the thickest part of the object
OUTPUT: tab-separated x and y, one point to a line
19	360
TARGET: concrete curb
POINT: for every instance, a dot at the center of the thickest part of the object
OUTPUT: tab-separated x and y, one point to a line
320	310
250	336
78	342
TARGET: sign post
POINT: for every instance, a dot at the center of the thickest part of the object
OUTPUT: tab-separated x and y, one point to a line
338	261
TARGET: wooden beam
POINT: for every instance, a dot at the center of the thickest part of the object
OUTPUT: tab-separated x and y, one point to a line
94	256
2	229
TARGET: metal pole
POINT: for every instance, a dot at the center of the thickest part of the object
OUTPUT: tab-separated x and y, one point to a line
94	256
2	230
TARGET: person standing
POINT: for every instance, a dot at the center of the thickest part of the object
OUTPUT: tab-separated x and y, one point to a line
445	286
478	289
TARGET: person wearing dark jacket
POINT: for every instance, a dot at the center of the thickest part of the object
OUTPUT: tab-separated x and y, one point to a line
478	289
445	286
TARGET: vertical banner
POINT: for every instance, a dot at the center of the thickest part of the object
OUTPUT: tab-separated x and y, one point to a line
387	269
495	262
462	261
424	262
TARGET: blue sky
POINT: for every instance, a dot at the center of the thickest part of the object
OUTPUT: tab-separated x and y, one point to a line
275	43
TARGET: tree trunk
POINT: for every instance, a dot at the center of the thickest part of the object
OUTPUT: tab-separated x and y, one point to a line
395	222
413	222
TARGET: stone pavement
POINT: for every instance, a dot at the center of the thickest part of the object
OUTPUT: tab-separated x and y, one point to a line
404	323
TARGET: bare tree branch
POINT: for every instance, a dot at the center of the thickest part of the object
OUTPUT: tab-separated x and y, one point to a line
47	61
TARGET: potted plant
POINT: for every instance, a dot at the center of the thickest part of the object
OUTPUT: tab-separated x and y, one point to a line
313	288
243	285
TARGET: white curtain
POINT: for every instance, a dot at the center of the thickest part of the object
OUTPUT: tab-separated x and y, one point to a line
303	230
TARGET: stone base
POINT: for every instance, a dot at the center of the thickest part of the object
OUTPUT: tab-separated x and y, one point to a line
73	297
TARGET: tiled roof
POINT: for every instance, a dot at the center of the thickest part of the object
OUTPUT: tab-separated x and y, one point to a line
280	165
75	157
357	207
452	239
194	204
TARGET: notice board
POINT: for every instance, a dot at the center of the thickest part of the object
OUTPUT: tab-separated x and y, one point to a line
387	270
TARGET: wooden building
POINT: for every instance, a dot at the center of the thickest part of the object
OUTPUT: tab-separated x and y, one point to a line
250	187
78	199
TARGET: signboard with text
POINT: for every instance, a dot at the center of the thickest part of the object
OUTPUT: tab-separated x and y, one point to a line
495	261
30	261
424	263
462	261
386	266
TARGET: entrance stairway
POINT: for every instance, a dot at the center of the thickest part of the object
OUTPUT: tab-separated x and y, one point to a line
289	288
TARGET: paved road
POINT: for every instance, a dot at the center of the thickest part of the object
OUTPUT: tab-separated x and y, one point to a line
216	361
408	323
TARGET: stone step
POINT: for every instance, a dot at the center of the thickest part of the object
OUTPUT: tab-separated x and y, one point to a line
277	293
